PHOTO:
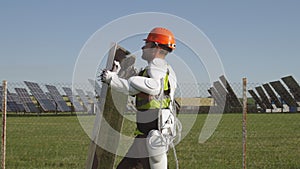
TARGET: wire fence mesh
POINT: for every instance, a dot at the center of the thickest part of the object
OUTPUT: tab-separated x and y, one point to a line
192	96
273	135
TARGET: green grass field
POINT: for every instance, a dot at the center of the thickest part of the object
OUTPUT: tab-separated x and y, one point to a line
48	142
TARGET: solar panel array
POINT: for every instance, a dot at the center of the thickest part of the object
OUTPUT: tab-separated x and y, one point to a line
283	93
11	104
40	96
270	95
24	96
62	105
17	100
52	100
277	95
224	95
77	106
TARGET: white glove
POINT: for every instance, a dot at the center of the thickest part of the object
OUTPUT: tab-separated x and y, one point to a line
107	75
116	67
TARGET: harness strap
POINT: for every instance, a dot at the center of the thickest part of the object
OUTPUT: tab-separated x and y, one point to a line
145	101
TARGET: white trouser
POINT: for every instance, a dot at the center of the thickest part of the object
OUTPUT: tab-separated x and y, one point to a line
157	149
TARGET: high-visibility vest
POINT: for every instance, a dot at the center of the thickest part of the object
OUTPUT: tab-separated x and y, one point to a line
145	101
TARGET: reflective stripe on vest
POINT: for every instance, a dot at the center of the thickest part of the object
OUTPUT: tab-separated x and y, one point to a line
145	101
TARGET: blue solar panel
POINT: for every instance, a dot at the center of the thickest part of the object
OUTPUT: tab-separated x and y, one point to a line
17	100
62	105
11	104
284	94
40	96
49	96
77	106
24	96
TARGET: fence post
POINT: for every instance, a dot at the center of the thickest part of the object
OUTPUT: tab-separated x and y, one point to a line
244	121
4	104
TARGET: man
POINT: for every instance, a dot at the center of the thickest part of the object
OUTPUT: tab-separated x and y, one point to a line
154	90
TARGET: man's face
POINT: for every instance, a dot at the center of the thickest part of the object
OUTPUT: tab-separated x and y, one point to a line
148	51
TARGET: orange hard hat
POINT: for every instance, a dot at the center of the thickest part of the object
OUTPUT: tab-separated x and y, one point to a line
162	36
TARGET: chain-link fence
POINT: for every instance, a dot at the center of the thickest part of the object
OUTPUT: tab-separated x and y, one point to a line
273	135
261	97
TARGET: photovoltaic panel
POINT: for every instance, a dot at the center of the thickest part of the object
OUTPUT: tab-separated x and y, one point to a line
294	87
232	96
264	97
271	93
215	95
284	94
11	104
44	101
40	96
24	96
114	121
220	89
257	99
19	103
33	87
49	96
62	105
83	98
224	96
77	106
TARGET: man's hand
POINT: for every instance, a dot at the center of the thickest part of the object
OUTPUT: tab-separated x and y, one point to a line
107	75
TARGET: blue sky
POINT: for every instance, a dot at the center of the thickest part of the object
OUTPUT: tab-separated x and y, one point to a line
41	40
